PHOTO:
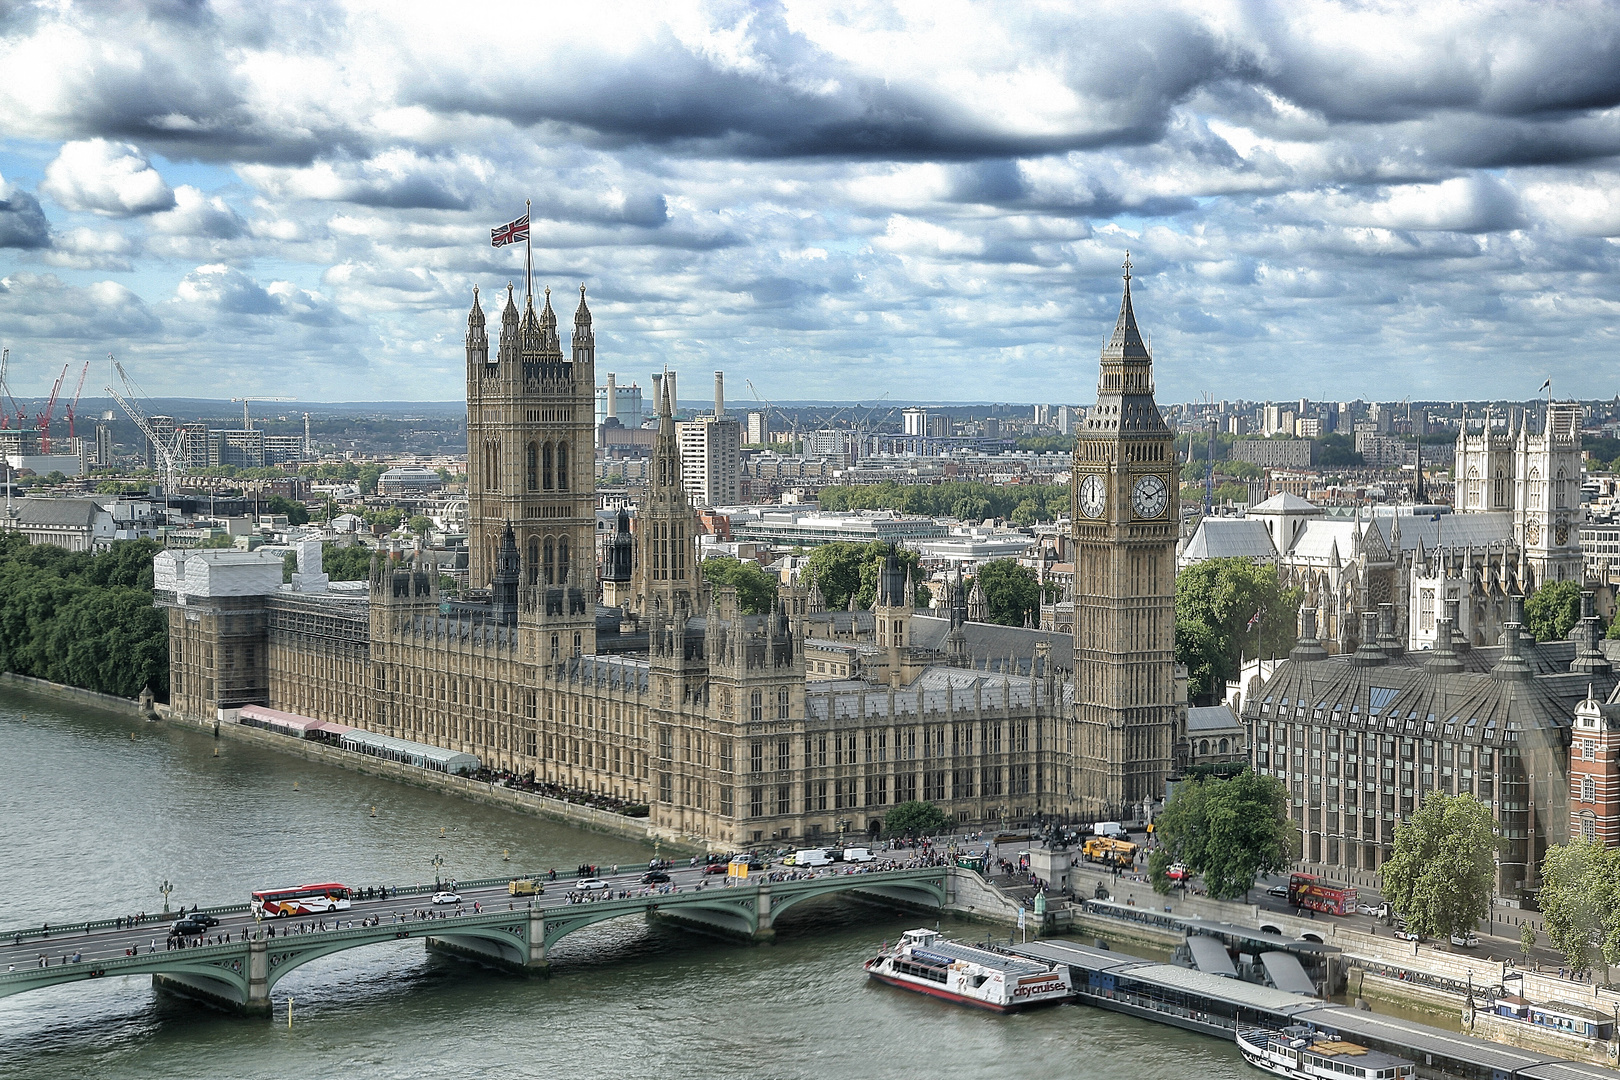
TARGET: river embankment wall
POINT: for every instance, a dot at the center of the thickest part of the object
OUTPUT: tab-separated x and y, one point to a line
111	702
488	794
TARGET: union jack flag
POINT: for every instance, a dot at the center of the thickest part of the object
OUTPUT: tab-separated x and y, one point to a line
510	233
1256	620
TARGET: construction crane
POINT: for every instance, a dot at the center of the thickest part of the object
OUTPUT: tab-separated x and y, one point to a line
73	405
792	424
247	424
45	413
170	447
10	408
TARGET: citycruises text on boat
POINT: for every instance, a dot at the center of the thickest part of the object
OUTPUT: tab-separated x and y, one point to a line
968	975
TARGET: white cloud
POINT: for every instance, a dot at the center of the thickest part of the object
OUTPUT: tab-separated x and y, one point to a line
197	215
103	177
22	222
90	249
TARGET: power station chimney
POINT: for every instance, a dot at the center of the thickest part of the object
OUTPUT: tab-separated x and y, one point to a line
719	395
674	399
613	397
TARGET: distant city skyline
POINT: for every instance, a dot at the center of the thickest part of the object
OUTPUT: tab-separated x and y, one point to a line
930	201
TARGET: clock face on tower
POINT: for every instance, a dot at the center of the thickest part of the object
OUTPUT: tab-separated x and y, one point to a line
1093	497
1532	532
1149	497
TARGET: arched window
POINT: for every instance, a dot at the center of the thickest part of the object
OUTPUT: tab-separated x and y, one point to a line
562	466
756	706
1499	490
562	561
531	467
1535	489
782	703
1473	487
1223	745
533	569
1203	747
556	645
551	564
545	470
1559	490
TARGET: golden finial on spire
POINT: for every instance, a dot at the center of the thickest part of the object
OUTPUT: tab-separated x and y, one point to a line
1127	264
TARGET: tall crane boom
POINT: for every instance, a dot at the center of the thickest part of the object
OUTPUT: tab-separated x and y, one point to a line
74	404
10	408
45	413
247	424
167	447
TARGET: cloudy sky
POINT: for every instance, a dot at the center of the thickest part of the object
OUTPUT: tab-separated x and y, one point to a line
831	199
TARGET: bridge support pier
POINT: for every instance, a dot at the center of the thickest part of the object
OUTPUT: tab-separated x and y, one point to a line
219	994
764	924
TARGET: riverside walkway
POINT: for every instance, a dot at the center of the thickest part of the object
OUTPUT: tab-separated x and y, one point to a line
238	962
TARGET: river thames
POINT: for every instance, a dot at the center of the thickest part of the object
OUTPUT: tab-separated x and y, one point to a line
94	821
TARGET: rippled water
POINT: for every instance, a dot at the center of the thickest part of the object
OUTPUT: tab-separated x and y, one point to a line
93	822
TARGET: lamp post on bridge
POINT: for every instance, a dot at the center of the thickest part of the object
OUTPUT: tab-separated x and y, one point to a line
165	889
437	861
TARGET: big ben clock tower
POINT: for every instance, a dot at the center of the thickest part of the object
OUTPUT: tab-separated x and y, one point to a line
1126	511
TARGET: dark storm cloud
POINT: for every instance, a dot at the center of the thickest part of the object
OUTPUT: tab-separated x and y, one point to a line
22	222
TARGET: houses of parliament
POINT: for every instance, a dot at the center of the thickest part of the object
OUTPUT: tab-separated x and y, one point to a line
631	678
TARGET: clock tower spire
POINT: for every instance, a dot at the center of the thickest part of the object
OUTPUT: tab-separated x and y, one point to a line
1126	511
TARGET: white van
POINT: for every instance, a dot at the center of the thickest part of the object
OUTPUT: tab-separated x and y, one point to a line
858	854
1111	829
812	857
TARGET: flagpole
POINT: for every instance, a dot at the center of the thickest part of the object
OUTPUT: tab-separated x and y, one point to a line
528	256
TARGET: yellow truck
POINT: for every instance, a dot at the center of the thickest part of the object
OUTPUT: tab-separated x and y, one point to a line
1108	851
524	887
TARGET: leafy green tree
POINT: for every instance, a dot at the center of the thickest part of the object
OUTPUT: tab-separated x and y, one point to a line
1553	610
915	818
83	619
1338	450
1228	831
1028	512
346	563
420	524
1580	901
1010	590
367	476
296	512
1442	874
756	589
1527	939
1216	600
845	568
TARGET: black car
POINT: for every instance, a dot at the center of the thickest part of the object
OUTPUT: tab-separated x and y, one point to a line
654	877
186	927
202	918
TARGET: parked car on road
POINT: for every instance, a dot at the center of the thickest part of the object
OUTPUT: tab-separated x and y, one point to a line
1278	890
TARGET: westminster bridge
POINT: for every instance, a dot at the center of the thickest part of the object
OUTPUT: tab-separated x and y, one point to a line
513	933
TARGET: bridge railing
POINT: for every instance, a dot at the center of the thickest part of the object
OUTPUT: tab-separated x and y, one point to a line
64	932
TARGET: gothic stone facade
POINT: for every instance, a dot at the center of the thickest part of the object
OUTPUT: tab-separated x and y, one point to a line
674	697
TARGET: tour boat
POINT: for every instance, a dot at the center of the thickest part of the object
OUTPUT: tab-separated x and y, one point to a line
925	962
1302	1054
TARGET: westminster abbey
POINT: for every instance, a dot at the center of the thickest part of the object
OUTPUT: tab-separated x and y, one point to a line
636	680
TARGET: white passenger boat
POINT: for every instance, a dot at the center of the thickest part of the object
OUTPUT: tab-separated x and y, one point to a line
1301	1054
927	963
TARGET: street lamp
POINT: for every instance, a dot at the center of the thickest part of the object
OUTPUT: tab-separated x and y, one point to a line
165	889
437	861
843	828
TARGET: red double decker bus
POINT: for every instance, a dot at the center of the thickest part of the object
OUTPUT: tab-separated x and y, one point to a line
301	900
1310	891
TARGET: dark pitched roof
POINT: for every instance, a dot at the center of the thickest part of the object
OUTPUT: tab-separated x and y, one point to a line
77	513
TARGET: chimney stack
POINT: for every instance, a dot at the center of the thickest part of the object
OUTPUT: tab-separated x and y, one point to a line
613	397
1308	647
674	400
1444	658
719	395
1369	655
1512	665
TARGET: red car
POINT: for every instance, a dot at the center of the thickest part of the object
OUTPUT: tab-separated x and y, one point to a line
714	868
